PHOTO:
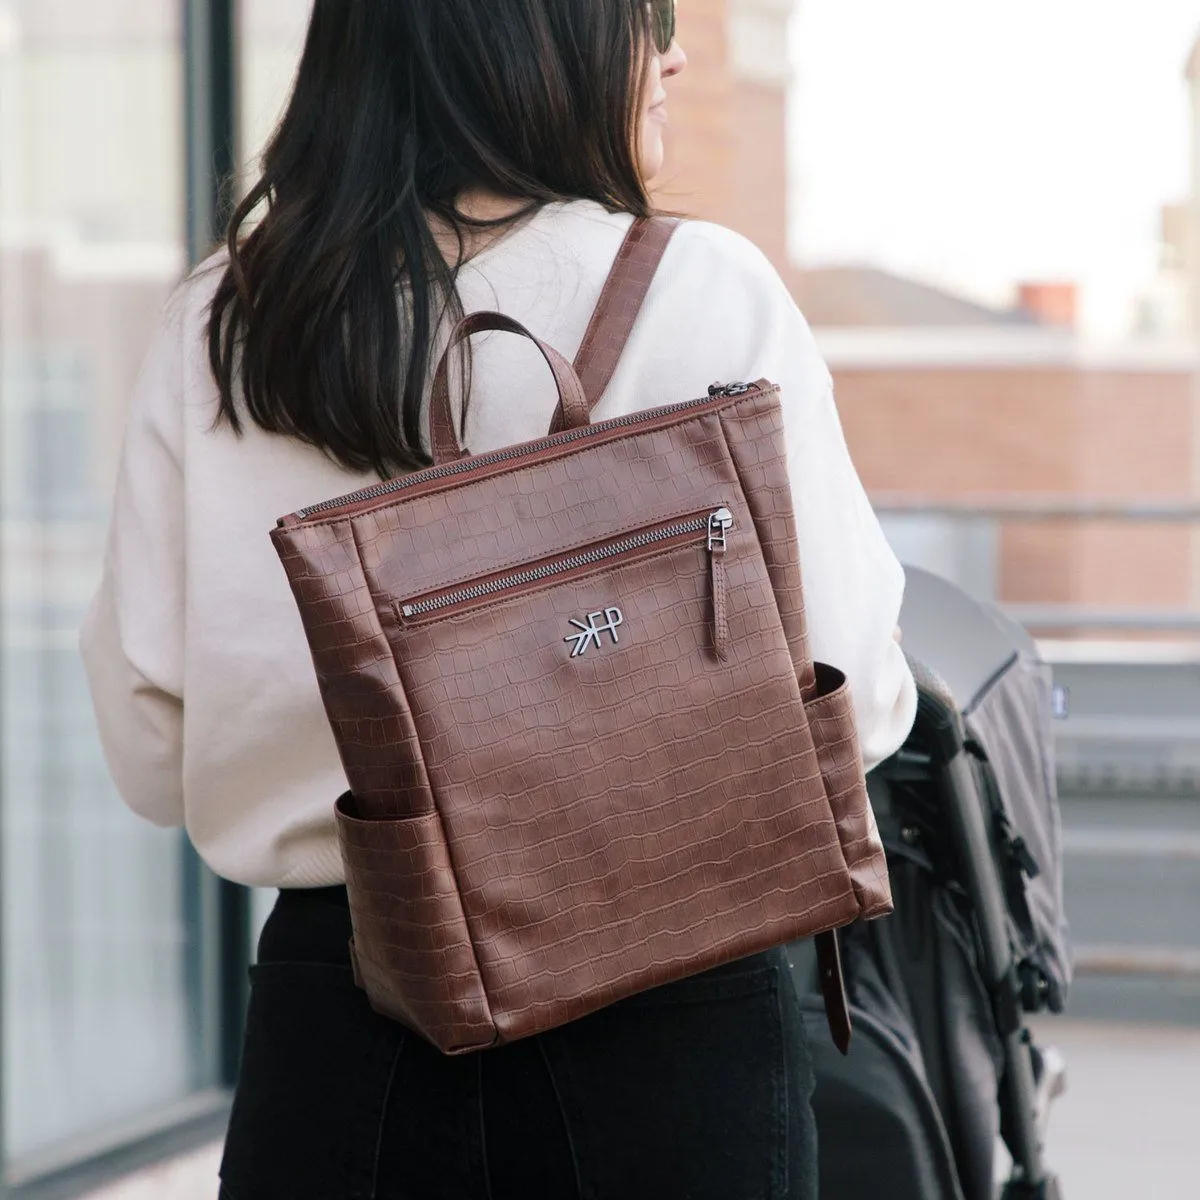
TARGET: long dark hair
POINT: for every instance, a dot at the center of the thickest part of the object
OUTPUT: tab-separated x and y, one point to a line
324	322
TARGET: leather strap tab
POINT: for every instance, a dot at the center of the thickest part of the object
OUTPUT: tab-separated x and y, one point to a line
833	988
443	437
720	607
620	303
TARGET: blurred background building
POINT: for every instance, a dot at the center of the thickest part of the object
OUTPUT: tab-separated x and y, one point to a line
1005	445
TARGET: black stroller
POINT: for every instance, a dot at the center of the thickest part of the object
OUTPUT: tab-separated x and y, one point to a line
942	1065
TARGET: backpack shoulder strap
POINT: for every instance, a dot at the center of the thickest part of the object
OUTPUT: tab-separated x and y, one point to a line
619	305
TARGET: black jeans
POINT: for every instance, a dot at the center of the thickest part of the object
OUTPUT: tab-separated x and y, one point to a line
696	1091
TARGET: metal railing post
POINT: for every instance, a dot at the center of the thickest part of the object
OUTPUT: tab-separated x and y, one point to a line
210	71
211	111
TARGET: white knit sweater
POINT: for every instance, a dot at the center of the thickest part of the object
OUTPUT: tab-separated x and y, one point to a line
201	678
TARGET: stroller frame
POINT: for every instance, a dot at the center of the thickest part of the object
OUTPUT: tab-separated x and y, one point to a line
1024	1097
946	1065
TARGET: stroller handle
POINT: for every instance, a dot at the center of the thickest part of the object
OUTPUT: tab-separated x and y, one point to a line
938	716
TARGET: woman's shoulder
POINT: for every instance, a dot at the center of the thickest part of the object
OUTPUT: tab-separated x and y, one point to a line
730	287
724	272
717	308
200	285
707	246
175	361
696	246
703	243
185	310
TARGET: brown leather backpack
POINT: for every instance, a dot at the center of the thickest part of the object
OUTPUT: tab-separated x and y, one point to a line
588	750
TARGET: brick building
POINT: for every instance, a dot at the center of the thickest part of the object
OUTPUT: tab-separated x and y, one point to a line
943	400
1026	415
1189	235
727	141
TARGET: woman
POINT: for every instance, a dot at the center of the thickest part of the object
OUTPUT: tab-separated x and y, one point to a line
436	158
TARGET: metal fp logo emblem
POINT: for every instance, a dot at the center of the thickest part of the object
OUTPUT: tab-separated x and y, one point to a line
605	621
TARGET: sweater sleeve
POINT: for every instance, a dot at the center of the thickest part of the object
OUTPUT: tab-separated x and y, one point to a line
132	637
853	582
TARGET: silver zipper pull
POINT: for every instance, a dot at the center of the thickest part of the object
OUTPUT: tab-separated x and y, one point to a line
720	523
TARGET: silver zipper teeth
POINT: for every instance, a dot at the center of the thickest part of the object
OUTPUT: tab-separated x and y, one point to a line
379	490
585	558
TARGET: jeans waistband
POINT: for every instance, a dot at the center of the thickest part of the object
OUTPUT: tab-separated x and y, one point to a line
336	896
308	925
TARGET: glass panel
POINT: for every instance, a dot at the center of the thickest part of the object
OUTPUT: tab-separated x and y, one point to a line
101	982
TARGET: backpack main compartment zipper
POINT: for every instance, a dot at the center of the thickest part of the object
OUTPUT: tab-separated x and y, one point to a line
378	491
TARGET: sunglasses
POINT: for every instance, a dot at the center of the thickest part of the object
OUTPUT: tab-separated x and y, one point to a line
662	23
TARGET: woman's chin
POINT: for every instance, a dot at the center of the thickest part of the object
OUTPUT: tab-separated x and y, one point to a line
652	155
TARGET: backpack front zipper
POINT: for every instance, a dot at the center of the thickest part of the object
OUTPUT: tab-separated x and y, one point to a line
714	525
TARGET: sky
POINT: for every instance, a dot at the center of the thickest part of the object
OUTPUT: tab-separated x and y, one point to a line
973	144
